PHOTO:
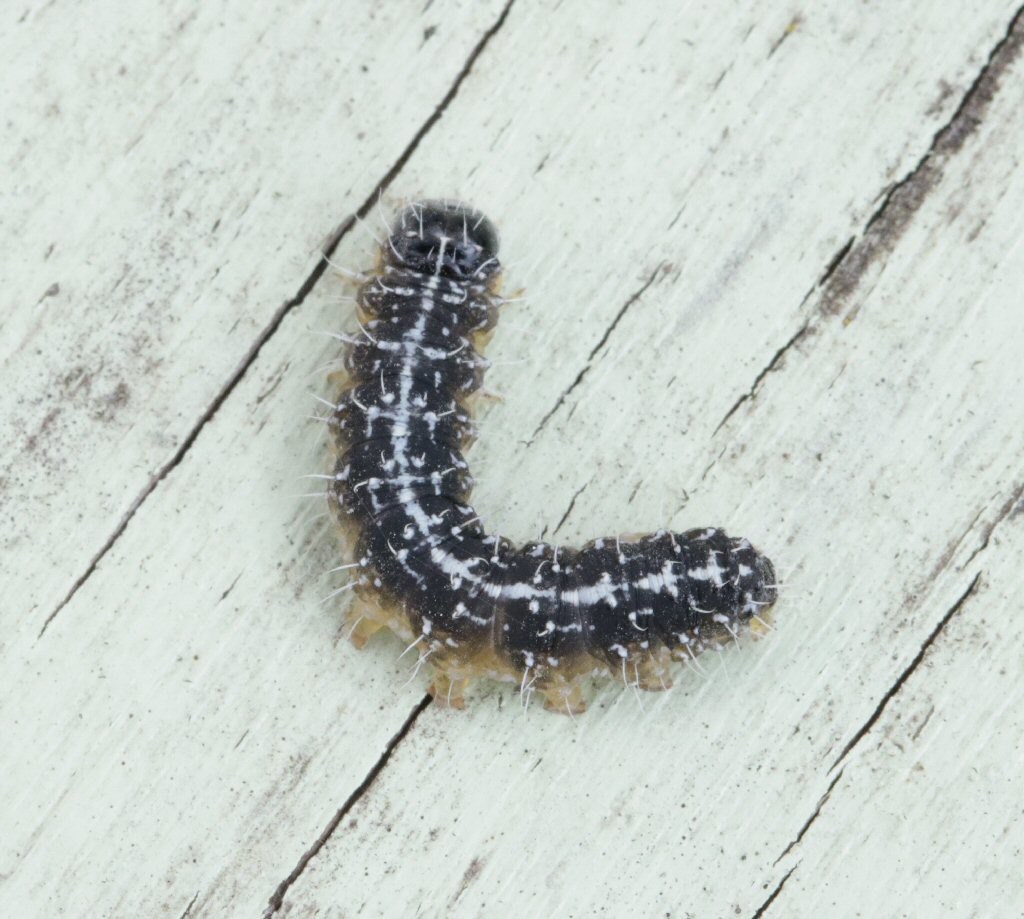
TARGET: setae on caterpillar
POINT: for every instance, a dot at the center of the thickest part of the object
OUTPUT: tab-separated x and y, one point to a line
471	604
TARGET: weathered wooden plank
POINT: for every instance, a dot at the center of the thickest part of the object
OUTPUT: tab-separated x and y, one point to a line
193	726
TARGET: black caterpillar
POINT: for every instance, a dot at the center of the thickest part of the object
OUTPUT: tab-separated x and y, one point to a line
475	605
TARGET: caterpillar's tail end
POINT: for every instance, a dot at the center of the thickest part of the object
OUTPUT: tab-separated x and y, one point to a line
763	597
767	589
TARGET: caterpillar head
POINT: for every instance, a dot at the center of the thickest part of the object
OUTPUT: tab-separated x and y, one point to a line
444	238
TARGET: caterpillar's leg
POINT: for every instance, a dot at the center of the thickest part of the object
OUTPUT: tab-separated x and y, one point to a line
563	695
475	400
361	627
652	673
448	688
762	623
482	339
365	617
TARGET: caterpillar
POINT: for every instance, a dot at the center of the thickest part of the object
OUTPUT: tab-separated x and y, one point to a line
470	604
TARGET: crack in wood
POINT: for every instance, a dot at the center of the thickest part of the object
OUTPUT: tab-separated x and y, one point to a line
763	908
910	668
885	227
832	265
942	562
902	199
1005	511
568	510
793	25
922	725
231	587
593	351
811	819
327	250
277	898
768	368
188	909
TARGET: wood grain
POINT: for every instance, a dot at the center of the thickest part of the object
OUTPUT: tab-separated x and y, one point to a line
772	262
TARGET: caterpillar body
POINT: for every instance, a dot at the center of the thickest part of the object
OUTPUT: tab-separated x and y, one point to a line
471	604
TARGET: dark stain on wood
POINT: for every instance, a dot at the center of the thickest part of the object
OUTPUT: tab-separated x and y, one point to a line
470	875
903	200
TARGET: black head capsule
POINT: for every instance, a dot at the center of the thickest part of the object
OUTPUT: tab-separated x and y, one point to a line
446	239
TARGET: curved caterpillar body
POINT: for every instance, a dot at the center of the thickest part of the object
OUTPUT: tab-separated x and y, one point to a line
471	604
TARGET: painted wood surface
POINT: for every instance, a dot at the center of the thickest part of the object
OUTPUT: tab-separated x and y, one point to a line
773	272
